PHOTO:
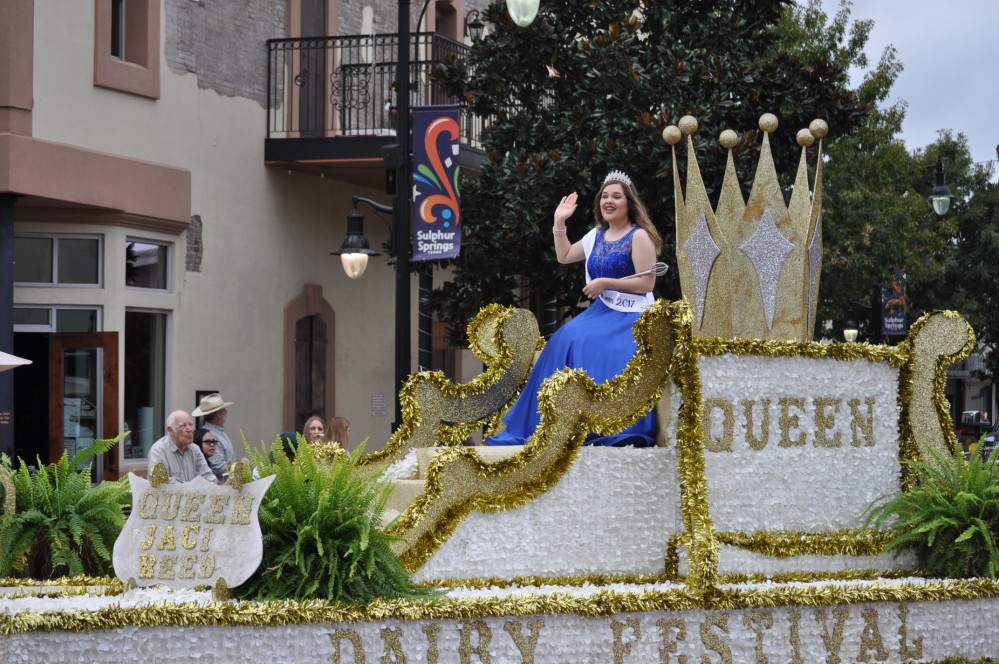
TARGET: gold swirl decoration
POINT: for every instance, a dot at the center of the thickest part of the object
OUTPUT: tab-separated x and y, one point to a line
435	411
935	341
9	495
571	405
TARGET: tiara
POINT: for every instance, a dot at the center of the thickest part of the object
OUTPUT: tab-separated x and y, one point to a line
618	176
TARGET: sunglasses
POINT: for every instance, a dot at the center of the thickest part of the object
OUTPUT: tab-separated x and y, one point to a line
209	441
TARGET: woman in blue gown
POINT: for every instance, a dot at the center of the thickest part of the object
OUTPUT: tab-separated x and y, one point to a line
599	340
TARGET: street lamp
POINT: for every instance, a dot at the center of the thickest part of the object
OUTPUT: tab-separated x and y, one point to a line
850	330
355	249
941	195
474	27
522	11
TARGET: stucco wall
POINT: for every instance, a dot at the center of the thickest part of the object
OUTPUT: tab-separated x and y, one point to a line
265	233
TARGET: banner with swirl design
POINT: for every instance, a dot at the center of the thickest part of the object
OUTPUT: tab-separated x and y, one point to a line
436	196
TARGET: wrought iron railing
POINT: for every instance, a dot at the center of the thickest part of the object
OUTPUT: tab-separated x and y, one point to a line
345	86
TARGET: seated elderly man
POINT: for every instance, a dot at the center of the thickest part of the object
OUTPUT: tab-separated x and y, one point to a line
183	460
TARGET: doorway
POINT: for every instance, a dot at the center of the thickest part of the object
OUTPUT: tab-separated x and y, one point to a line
67	397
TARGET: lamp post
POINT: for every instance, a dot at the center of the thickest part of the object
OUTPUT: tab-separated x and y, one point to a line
354	250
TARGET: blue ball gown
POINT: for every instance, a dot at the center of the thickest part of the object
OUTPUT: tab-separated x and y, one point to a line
599	340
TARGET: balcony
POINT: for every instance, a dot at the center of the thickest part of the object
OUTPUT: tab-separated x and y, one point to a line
331	102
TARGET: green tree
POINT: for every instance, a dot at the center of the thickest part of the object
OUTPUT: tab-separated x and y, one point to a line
589	87
969	280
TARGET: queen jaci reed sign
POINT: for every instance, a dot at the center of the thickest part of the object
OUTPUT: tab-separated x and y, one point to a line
186	535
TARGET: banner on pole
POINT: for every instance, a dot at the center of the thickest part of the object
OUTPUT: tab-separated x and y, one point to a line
436	197
894	308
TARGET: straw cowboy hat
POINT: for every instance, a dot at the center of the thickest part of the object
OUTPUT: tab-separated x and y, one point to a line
209	404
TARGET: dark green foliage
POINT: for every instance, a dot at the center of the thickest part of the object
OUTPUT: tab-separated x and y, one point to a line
621	80
950	518
320	523
62	526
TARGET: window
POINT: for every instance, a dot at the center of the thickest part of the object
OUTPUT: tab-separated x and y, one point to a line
118	29
57	261
57	319
127	46
146	265
145	380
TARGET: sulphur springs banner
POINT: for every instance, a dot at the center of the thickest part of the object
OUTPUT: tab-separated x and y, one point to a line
436	198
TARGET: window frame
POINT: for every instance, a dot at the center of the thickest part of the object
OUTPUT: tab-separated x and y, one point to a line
56	237
167	267
137	71
53	310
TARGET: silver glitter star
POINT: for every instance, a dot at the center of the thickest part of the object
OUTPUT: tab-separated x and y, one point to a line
767	250
702	251
814	260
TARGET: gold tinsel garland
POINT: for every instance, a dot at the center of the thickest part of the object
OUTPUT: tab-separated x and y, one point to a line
603	603
790	543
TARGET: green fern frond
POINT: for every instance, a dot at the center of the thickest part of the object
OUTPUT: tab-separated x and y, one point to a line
321	537
62	525
951	517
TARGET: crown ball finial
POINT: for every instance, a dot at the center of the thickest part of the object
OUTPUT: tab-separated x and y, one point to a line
672	135
818	128
729	139
688	124
805	138
768	122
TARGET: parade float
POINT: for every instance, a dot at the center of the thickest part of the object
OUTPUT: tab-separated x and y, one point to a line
739	537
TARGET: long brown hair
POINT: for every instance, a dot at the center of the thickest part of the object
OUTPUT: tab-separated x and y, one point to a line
637	214
336	430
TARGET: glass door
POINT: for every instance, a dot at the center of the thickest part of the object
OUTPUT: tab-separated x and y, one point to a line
83	407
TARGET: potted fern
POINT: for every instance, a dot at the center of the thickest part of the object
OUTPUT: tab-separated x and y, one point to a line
951	517
321	529
61	524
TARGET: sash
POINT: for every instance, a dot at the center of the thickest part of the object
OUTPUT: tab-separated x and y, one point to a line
616	300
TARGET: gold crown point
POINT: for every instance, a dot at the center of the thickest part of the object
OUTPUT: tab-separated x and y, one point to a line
805	138
768	122
688	124
729	139
819	128
672	135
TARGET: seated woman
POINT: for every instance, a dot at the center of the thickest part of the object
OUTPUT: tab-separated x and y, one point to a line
208	444
599	340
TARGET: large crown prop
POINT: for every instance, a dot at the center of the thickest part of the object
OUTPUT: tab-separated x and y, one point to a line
750	269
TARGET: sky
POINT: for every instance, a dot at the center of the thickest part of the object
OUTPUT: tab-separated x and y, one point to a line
950	53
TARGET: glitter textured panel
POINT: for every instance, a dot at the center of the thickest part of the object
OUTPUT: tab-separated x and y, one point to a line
767	249
702	251
936	341
435	411
814	269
